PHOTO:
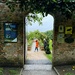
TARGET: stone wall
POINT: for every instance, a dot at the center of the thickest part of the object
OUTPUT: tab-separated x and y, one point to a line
64	40
11	54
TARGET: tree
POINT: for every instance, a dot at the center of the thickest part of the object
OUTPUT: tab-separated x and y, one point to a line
49	34
66	7
36	35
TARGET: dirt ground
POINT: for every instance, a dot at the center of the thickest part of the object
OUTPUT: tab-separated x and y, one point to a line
36	55
66	70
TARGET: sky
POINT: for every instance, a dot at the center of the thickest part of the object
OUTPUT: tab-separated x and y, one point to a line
47	24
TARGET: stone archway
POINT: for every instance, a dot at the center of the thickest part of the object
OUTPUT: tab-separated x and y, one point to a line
63	51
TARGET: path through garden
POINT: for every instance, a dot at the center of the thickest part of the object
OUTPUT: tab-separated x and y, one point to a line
34	55
37	63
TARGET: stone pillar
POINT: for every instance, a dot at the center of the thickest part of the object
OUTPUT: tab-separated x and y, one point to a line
64	41
11	53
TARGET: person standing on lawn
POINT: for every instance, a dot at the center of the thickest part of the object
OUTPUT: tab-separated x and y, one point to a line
36	45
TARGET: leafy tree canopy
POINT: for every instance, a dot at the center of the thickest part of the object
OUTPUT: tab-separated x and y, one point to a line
66	7
36	35
49	34
40	35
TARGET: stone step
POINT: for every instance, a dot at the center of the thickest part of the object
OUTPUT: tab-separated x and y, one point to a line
45	62
37	67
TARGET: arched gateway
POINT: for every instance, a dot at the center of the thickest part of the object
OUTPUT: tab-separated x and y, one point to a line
12	38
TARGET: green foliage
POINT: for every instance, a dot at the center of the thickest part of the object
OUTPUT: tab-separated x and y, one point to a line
32	35
14	72
50	44
1	71
49	34
69	0
55	0
49	56
69	74
65	7
34	17
39	35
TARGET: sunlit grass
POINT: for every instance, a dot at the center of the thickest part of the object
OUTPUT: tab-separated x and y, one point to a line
49	56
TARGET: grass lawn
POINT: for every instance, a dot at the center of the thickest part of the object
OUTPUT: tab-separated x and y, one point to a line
10	71
69	73
49	56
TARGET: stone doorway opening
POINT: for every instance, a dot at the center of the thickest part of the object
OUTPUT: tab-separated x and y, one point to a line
32	33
